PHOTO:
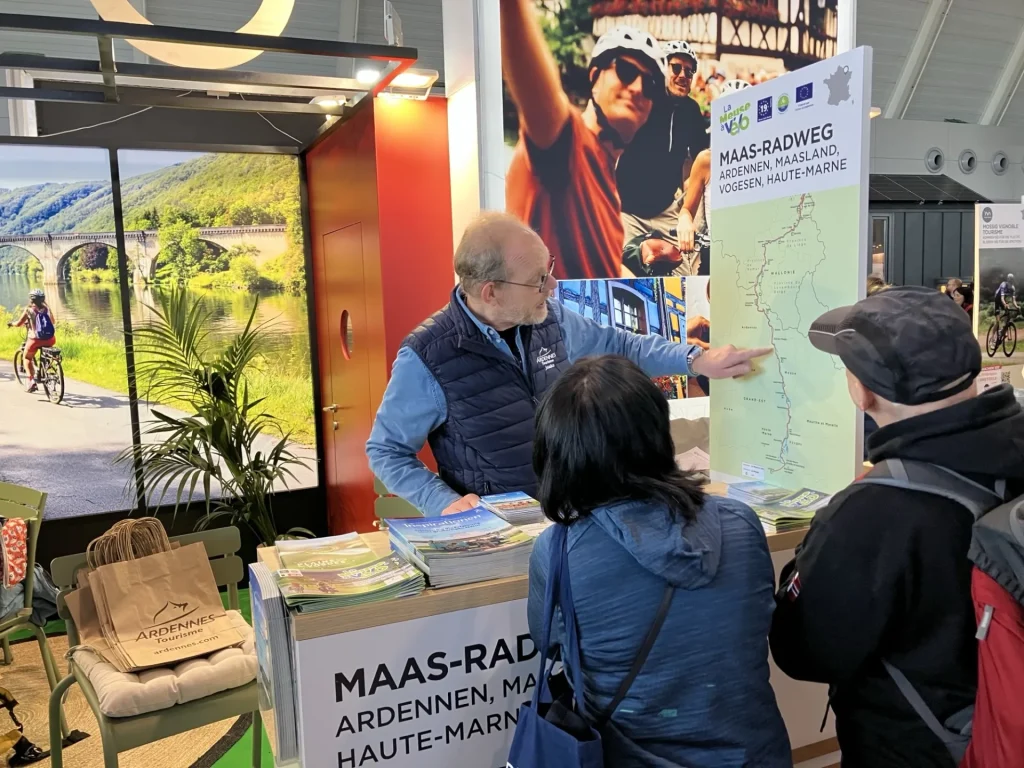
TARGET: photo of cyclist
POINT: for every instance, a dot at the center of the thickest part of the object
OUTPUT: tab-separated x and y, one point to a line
561	181
994	306
693	233
39	323
652	171
1006	296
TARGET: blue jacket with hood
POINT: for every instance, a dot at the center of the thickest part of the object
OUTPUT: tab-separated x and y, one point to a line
703	699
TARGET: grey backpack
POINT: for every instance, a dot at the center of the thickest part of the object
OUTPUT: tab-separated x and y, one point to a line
997	549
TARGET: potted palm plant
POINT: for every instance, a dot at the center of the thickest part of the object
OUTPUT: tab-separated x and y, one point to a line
222	438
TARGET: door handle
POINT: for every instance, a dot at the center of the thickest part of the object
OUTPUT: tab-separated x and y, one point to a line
333	408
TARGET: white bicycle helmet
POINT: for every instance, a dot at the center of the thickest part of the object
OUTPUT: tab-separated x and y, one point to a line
632	40
680	48
1010	277
731	86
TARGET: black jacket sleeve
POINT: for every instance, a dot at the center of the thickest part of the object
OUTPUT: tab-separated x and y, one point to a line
838	595
697	137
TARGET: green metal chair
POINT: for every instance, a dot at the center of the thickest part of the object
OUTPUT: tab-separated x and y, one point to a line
26	504
119	734
387	506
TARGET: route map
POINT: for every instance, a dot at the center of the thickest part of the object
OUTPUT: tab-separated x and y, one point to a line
781	263
788	243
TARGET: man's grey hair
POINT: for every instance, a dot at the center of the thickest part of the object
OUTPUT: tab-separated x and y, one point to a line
480	257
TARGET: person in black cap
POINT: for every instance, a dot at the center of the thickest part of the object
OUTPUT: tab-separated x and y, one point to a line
883	572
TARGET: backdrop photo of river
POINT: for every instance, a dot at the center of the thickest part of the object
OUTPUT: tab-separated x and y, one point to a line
226	229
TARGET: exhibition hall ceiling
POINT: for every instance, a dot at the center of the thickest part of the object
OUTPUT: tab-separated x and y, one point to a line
978	44
350	20
976	51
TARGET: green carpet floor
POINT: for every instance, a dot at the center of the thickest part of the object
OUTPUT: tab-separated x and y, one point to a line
240	755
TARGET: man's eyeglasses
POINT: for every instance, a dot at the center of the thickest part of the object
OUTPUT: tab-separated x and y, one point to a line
628	72
543	280
678	69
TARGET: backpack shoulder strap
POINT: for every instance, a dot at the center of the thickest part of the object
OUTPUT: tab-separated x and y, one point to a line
955	743
939	481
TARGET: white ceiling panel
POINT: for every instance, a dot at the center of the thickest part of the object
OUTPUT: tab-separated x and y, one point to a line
968	57
421	23
889	27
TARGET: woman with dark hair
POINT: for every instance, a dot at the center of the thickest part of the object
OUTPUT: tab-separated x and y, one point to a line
638	525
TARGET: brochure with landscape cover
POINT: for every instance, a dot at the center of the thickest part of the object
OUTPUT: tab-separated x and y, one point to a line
757	492
795	510
326	554
517	508
459	549
342	571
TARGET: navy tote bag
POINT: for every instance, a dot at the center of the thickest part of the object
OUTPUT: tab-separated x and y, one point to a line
558	734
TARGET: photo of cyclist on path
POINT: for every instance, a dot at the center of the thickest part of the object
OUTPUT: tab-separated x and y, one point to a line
39	323
1006	296
561	181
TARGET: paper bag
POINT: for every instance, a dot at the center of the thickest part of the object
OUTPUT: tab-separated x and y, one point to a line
83	611
163	608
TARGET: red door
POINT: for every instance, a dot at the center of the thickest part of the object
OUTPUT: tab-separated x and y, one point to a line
347	412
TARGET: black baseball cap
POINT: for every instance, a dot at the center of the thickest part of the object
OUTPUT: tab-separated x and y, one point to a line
908	344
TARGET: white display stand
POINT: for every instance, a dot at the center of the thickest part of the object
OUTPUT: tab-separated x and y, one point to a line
436	681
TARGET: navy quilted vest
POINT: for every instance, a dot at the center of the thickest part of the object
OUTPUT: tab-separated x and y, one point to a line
486	444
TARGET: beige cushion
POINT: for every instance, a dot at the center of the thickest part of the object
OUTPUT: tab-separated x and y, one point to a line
125	694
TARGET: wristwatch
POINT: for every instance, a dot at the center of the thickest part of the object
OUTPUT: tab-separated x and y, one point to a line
691	358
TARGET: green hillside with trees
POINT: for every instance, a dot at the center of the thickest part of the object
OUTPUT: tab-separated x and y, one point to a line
215	190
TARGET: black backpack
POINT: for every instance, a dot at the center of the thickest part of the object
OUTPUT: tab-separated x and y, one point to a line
997	551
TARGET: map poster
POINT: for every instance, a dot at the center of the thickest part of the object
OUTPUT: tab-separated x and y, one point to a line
789	242
998	276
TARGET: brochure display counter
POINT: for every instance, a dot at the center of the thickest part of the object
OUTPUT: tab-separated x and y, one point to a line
436	680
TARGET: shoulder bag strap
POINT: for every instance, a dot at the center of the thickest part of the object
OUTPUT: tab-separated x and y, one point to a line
571	637
641	657
550	603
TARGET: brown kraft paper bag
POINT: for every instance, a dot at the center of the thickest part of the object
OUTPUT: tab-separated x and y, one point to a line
163	608
87	621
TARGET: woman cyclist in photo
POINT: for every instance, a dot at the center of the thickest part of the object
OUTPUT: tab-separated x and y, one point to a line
39	323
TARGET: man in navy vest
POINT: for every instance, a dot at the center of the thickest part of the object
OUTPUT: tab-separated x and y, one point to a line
470	378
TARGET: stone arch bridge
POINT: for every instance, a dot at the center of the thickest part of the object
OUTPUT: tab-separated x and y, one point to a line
143	246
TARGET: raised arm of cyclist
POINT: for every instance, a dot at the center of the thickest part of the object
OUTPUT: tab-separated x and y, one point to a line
700	175
531	74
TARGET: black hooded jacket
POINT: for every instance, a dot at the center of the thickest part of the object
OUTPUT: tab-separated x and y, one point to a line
883	573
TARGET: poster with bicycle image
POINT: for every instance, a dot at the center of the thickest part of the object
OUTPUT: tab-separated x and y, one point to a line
998	284
212	245
606	116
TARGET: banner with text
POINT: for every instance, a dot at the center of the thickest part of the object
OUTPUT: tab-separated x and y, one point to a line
998	266
789	242
436	692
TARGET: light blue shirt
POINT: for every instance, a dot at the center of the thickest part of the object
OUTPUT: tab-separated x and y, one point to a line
414	404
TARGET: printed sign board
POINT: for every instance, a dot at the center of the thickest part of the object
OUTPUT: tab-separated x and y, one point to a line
437	692
789	242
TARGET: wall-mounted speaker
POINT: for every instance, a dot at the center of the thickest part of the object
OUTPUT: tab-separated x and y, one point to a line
934	160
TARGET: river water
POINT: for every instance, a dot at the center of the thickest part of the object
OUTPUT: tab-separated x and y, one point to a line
97	308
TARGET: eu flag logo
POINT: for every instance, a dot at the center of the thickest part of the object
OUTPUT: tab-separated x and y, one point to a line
805	93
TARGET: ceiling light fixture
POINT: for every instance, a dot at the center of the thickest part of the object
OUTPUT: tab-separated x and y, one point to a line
330	101
875	112
367	76
412	84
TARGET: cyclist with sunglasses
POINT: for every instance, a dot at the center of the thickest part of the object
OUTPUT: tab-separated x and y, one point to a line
561	180
652	171
468	381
